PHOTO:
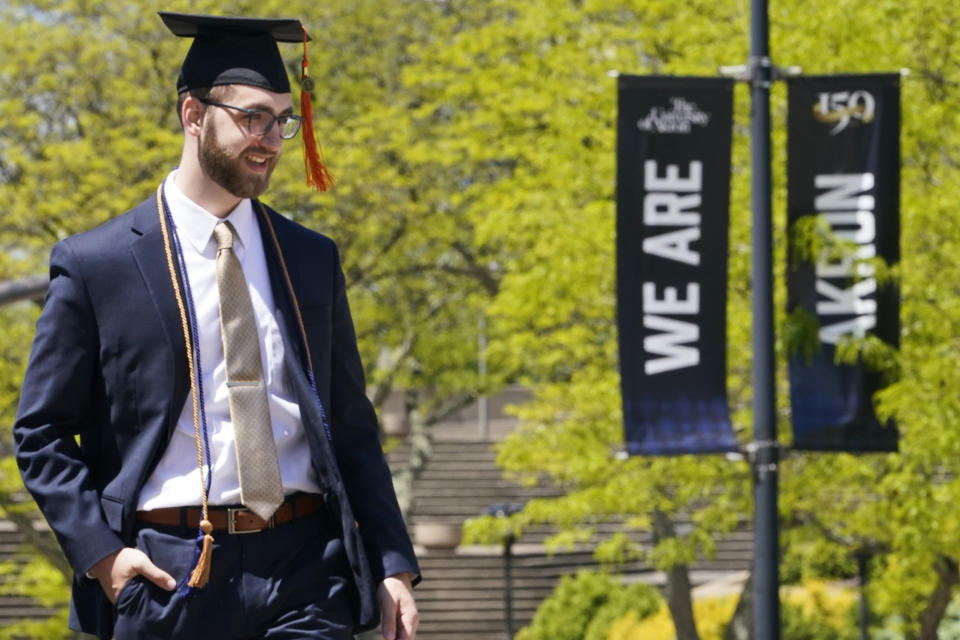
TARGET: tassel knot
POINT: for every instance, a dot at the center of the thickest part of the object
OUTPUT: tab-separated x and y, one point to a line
200	575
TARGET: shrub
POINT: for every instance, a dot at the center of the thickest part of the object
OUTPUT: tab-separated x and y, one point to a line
583	606
814	612
712	616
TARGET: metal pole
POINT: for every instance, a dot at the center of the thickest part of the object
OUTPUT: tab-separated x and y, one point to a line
483	419
508	584
766	612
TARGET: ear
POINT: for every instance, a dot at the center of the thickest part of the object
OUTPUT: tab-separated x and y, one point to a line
192	115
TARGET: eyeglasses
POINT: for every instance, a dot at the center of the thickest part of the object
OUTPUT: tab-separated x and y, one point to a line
259	122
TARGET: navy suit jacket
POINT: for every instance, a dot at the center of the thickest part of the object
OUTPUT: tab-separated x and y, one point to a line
107	380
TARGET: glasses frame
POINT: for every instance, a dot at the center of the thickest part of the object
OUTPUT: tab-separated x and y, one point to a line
252	113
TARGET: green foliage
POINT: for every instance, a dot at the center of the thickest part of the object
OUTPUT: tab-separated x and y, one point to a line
800	333
473	143
798	625
711	615
583	606
555	305
811	612
811	558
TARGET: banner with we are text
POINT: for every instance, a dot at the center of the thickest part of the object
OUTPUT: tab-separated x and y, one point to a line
673	192
843	166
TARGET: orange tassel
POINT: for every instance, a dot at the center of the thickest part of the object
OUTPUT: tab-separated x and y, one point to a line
201	573
317	174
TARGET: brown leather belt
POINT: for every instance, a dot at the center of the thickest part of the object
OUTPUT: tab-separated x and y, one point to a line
234	519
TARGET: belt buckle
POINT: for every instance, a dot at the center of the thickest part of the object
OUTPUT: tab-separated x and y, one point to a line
232	521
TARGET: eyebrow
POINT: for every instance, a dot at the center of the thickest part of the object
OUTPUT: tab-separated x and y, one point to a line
265	107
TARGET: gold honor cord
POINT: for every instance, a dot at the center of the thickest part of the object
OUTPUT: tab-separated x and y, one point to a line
289	283
201	571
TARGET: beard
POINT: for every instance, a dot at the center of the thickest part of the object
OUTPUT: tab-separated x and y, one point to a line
227	169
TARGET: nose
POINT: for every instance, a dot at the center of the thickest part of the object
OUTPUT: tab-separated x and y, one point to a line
271	137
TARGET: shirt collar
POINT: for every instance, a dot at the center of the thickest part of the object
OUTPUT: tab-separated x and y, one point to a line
196	224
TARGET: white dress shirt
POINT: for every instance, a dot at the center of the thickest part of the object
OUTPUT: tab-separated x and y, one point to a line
176	482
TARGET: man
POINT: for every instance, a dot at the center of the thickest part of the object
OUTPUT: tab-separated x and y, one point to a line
192	421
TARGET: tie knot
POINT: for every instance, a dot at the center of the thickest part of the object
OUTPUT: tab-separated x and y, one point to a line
224	233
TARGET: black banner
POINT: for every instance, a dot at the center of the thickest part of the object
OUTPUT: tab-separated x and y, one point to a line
673	192
843	165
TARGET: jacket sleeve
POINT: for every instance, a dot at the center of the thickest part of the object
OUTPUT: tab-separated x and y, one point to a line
356	443
55	407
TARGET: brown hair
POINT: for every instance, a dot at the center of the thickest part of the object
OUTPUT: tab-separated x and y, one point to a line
203	93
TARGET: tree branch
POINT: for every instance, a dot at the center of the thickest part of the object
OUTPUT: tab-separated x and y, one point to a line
679	600
23	289
948	576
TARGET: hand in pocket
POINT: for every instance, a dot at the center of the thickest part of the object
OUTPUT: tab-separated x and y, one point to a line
117	569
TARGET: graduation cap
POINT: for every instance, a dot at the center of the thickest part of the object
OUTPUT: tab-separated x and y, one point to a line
234	50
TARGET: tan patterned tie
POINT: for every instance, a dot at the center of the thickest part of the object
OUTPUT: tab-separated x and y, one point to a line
261	489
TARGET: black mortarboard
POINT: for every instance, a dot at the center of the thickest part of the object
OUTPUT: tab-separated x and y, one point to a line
228	50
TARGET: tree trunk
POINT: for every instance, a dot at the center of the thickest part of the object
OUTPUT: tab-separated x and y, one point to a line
421	443
948	576
421	449
741	624
679	599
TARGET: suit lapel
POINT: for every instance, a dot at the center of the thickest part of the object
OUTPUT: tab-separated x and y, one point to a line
150	256
296	366
286	315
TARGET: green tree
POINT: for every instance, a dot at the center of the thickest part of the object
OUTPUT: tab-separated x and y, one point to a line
554	308
473	146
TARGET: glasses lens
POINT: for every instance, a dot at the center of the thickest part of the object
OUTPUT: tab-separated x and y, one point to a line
260	122
289	125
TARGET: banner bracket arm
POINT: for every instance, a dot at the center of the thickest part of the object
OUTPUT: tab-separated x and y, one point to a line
759	69
764	455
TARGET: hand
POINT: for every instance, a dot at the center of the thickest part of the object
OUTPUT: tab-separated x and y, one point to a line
397	608
117	569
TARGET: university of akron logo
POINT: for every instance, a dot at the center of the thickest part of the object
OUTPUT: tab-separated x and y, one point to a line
841	108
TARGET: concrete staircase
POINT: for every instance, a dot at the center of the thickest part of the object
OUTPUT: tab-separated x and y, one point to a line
462	595
11	553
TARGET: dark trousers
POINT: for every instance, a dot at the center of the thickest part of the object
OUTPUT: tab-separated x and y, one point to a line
291	582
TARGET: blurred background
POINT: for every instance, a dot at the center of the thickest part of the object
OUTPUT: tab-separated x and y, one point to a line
473	146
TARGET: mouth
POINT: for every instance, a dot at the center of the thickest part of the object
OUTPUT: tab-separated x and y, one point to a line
258	161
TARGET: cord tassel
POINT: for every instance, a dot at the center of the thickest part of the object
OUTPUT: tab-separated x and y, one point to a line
317	174
204	543
200	575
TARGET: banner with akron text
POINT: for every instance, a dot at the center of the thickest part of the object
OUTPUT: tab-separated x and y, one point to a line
843	166
673	193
